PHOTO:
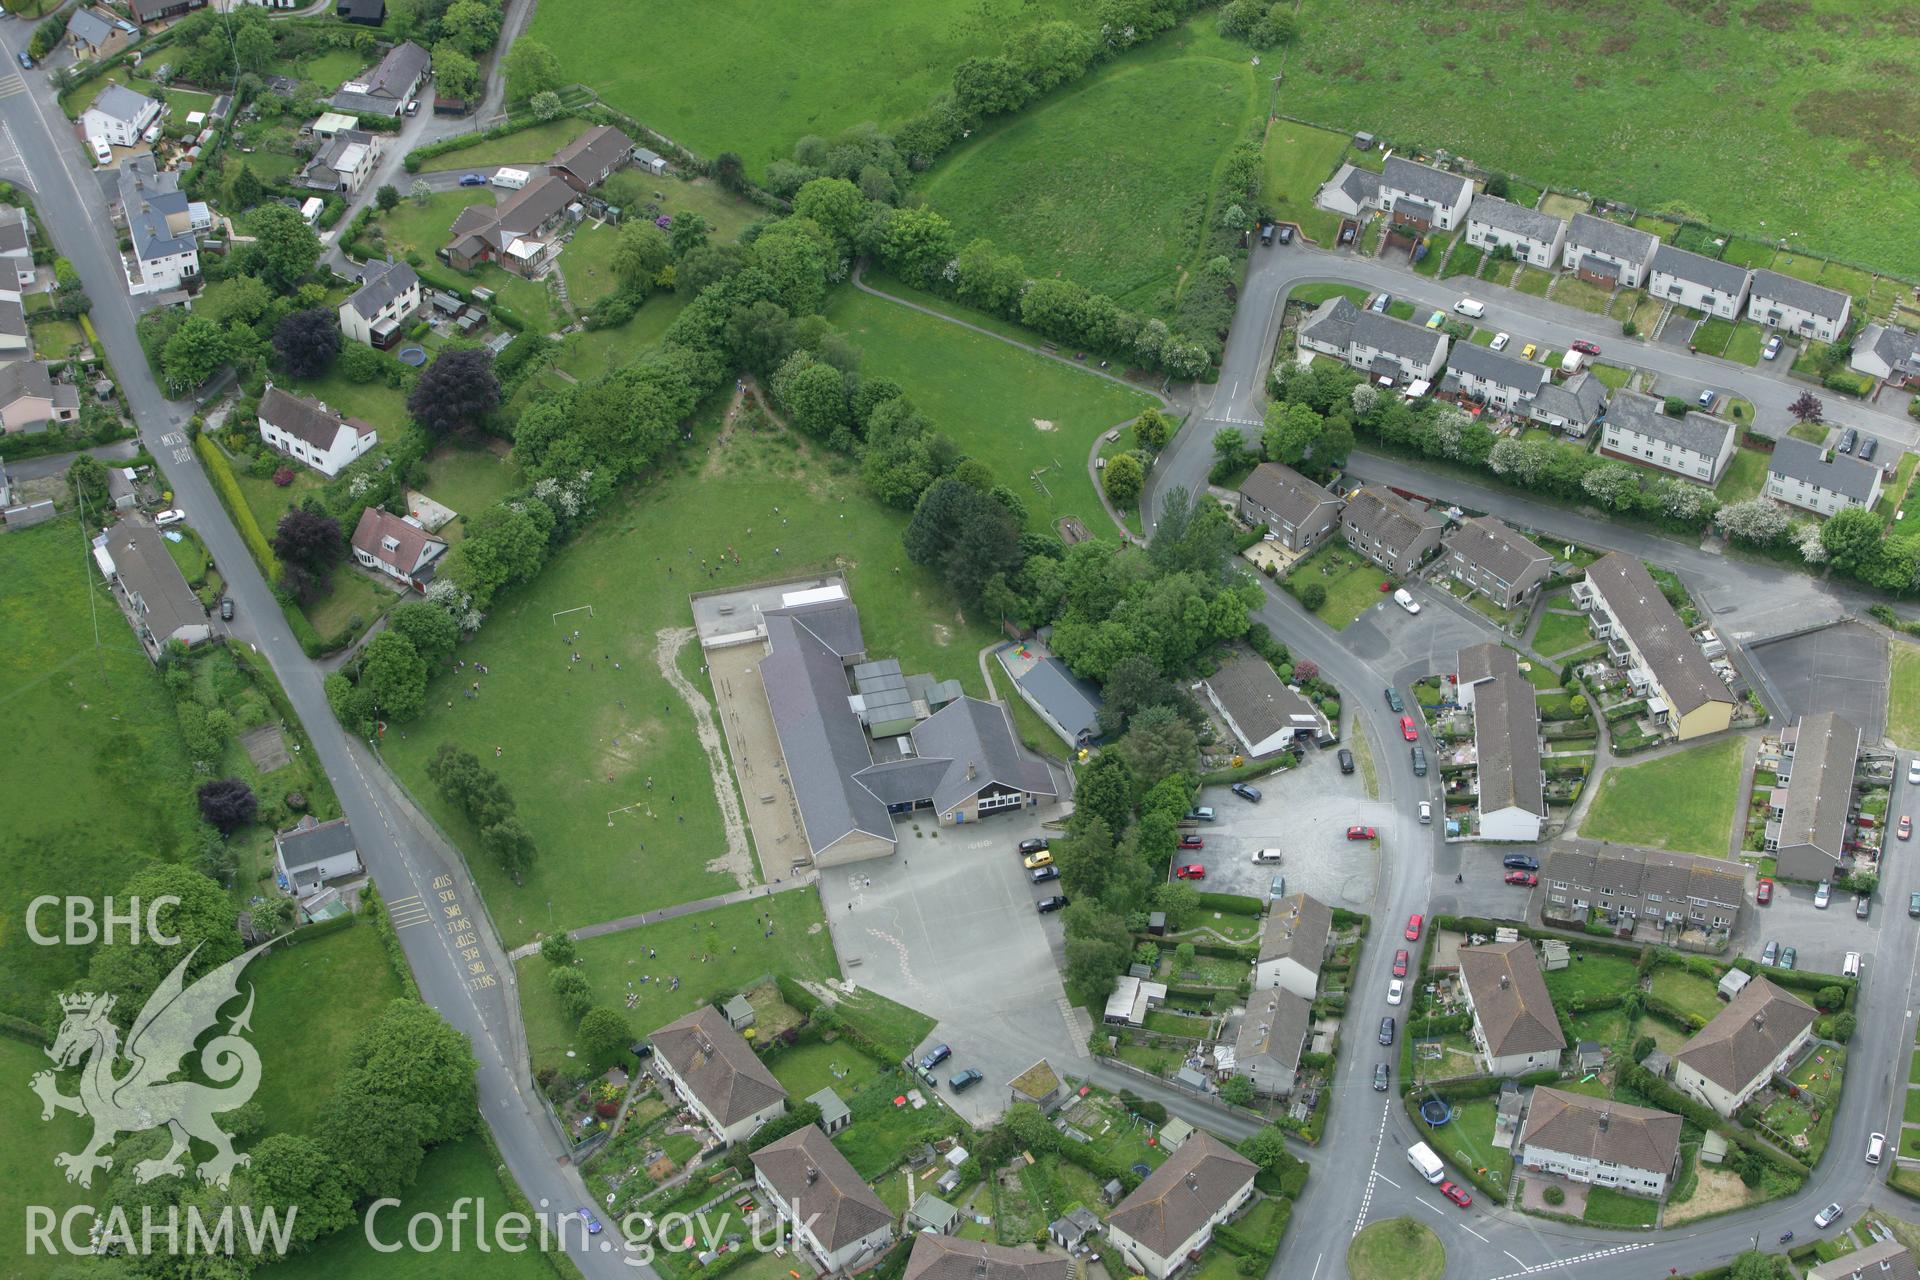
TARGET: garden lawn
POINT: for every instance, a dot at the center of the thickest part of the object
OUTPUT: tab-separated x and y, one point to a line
812	69
806	1069
1467	1140
332	68
1893	497
469	477
27	1147
465	1168
1687	991
1609	1208
588	354
993	400
587	263
54	338
375	402
1575	292
528	147
182	101
423	228
1745	476
1746	343
1561	633
97	785
1075	187
1589	974
1352	583
1298	159
314	998
1903	704
733	938
1680	801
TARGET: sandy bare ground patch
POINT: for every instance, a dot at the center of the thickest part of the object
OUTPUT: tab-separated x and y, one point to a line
1718	1190
1043	424
737	861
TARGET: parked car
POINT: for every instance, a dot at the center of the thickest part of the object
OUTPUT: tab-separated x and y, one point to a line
1419	761
1520	862
1051	904
1770	954
965	1080
1706	399
172	515
1415	923
1437	319
1192	842
1823	895
1454	1192
1789	957
1828	1216
1346	765
935	1056
1500	341
1772	350
1913	770
1868	447
1380	303
1379	1077
1250	794
1586	348
1913	903
1278	889
1408	729
1902	832
413	106
1200	813
26	60
1763	891
1393	701
1361	833
1190	871
1524	878
1347	230
1386	1030
1526	352
1862	907
593	1224
102	153
1396	990
1031	846
1400	963
1426	812
473	179
1405	600
1040	875
1266	233
1876	1146
1848	439
1286	234
226	608
1044	858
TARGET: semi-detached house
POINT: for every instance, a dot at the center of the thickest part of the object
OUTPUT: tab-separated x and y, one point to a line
1274	1032
1172	1213
1375	344
1494	378
1785	302
839	1225
1534	237
1805	475
1705	284
1607	253
716	1073
1733	1056
1296	511
1293	946
1423	197
1664	662
1389	530
1600	1141
1697	446
1514	1025
1573	406
375	313
1496	561
1884	351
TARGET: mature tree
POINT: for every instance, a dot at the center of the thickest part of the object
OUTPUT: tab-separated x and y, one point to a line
640	253
387	197
760	336
410	1054
376	1140
1106	791
558	949
797	256
604	1032
532	69
196	350
1096	951
688	232
1088	859
392	673
1230	453
990	86
1190	537
456	74
284	248
469	785
1159	744
1134	683
203	917
1757	520
420	192
1151	431
571	989
474	25
87	479
1807	408
510	842
297	1176
227	804
307	341
456	391
546	105
1614	485
917	243
309	539
1123	477
1852	537
1179	899
963	533
837	207
730	171
814	394
433	631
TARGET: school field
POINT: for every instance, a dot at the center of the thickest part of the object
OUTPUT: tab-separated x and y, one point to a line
1078	186
577	741
27	1147
1031	419
812	69
1827	93
97	783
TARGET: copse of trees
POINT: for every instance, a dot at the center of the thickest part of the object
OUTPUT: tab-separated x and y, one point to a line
478	793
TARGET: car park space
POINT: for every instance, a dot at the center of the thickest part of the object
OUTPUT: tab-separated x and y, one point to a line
1841	668
1305	813
1820	937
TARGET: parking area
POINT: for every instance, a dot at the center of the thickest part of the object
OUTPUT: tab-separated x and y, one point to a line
1391	639
1841	668
948	926
1822	937
1304	813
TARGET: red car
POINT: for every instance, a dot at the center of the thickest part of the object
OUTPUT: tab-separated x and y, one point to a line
1905	830
1361	833
1526	878
1456	1194
1192	842
1764	891
1414	925
1190	871
1400	963
1409	730
1587	348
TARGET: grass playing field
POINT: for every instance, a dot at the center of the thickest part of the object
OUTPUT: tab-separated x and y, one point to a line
1680	801
733	75
97	784
1018	412
27	1147
1819	91
577	740
1076	186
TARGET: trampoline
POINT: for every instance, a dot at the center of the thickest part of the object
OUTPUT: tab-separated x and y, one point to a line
415	356
1436	1112
1143	1169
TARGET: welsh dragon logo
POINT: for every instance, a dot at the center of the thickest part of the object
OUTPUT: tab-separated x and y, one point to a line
145	1096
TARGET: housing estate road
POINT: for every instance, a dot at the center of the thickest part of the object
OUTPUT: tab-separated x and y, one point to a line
411	869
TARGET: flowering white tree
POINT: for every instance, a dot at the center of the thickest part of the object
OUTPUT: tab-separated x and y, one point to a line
1806	537
1756	520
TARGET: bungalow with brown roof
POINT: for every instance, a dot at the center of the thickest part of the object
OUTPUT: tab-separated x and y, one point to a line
1496	560
1294	939
398	546
591	158
717	1074
1514	1024
838	1223
1264	712
1389	530
1171	1215
1598	1140
517	233
1732	1057
1297	513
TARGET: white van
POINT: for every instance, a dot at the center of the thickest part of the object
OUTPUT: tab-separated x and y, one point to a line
1427	1164
1405	600
1468	307
1850	967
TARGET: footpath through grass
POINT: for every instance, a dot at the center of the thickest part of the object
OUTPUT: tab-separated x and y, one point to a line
1680	801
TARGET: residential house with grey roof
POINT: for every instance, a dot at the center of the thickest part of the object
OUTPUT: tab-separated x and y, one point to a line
946	1257
95	33
1606	253
162	608
1533	237
343	162
325	439
1275	1030
1818	479
1296	512
1887	351
391	84
1514	1025
1573	406
1696	446
1265	714
1423	197
591	158
1294	940
1733	1056
1510	784
1375	344
313	853
1644	634
1808	807
1705	284
1171	1215
1883	1260
161	223
119	116
1389	530
1493	378
1495	560
838	1223
16	247
377	312
1628	885
158	10
712	1069
1600	1141
1799	306
1350	191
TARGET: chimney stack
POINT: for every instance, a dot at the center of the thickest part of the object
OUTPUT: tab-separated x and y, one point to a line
970	771
812	1175
1503	982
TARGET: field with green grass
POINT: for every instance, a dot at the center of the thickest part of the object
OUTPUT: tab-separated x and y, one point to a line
27	1147
469	477
1815	91
562	728
1903	703
1682	801
98	784
1020	413
1299	158
812	69
1077	188
529	146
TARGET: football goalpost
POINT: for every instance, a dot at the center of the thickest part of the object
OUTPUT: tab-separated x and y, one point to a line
584	608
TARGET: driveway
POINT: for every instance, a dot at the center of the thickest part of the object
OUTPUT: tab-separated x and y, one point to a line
1841	668
947	926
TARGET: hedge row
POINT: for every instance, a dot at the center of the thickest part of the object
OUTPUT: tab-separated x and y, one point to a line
512	125
376	912
1479	924
236	503
21	1029
1668	1098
